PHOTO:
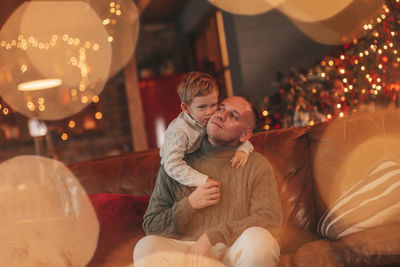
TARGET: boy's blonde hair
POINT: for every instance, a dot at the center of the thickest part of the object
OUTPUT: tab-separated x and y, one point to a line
196	84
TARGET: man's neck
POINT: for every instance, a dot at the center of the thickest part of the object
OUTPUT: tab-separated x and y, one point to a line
218	143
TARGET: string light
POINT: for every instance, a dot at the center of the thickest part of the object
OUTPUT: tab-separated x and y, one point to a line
98	115
71	124
64	136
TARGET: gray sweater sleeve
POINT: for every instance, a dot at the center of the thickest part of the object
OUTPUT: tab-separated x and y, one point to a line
169	210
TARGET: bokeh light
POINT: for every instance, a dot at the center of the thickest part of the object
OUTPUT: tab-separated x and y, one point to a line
50	61
121	21
47	218
249	7
343	27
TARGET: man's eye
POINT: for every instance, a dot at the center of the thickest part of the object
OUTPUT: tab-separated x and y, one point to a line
219	109
234	117
202	107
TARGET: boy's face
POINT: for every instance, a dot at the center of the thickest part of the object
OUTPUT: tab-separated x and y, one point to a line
202	107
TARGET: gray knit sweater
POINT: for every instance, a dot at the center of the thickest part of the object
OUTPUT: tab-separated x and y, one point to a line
249	197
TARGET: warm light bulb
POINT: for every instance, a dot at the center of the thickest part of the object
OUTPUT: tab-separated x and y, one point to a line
71	124
98	115
64	136
39	84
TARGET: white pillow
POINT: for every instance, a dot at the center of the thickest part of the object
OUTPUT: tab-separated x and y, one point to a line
372	201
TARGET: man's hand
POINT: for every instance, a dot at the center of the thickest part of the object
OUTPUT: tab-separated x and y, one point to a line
197	250
201	247
239	159
205	195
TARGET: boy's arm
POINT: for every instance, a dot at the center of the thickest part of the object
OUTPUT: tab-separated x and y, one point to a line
242	154
173	152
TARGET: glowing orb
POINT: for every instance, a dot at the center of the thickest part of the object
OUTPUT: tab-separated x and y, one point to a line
56	51
121	21
47	218
344	26
312	10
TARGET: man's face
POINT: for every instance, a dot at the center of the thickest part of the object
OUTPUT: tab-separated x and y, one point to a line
230	124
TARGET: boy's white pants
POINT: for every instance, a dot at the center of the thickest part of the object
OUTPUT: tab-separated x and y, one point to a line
255	247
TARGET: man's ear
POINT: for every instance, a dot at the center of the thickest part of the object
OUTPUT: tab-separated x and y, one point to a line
246	135
185	107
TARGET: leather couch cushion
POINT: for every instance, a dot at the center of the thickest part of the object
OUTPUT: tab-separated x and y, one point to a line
120	218
373	247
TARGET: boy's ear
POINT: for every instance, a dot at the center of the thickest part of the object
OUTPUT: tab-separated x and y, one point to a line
246	135
185	107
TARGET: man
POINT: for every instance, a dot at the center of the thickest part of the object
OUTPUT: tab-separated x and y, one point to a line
234	220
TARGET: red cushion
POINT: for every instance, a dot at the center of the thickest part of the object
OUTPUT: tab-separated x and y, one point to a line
120	218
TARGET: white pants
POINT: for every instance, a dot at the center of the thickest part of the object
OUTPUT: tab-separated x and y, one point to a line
255	247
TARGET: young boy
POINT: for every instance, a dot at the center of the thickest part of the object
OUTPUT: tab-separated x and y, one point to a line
199	99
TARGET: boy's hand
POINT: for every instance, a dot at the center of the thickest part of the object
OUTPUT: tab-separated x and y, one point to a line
239	159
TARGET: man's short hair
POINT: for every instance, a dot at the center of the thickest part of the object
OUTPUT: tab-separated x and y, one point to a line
196	84
256	119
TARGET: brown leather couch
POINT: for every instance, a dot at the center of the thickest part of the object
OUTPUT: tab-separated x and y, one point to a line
307	162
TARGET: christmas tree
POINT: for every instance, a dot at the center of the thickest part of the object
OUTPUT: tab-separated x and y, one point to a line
358	77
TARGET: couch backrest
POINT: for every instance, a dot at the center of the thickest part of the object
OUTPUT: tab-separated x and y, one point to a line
288	152
132	173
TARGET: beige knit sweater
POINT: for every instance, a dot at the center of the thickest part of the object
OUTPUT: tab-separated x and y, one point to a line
249	197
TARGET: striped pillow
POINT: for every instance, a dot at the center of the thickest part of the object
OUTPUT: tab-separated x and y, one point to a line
372	201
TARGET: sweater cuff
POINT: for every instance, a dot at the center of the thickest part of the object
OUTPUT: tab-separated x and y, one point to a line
214	236
202	179
183	212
